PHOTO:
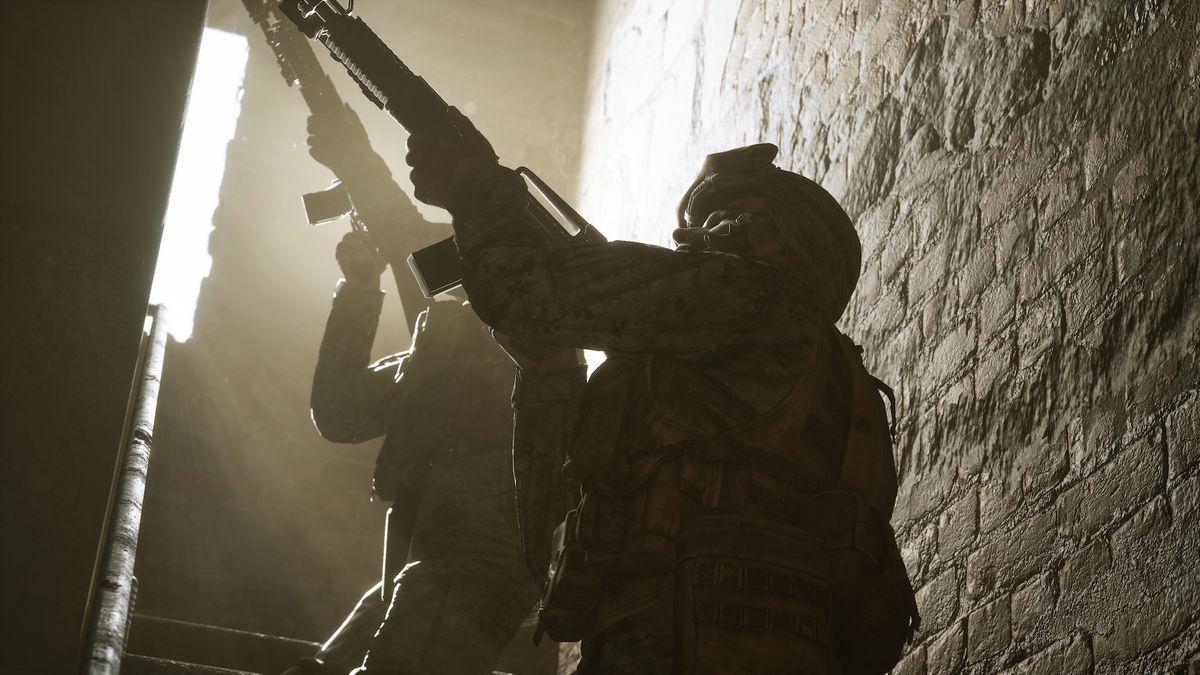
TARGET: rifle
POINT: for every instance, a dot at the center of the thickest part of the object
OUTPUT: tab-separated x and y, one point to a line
392	86
299	66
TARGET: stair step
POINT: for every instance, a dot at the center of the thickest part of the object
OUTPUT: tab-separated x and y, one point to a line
135	664
198	645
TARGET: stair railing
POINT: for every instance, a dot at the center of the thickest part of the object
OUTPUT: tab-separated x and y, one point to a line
108	626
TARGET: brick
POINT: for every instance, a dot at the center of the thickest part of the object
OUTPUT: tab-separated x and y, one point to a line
937	601
1132	181
896	250
1147	522
945	654
978	272
1091	301
921	497
1060	193
995	364
1009	19
929	271
1183	438
869	286
917	550
1130	255
1127	481
989	630
1075	439
998	501
1010	557
971	459
967	12
1032	605
1102	431
958	525
1099	153
950	354
996	306
1185	500
1153	598
1039	328
912	663
1072	239
1071	656
1005	198
936	313
877	226
1042	466
1085	572
888	310
1014	241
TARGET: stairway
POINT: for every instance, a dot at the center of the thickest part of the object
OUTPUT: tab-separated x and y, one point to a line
163	646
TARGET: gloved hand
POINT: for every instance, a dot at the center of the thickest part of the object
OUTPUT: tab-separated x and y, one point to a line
742	226
723	231
439	164
359	260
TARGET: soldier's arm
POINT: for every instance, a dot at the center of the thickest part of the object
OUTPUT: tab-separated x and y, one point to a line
340	143
349	393
618	296
546	400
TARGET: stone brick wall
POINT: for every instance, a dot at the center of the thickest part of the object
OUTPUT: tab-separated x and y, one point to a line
1023	174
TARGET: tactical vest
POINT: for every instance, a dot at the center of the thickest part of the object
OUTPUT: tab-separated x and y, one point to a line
454	398
815	470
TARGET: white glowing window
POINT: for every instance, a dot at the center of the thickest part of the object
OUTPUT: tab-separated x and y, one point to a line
212	113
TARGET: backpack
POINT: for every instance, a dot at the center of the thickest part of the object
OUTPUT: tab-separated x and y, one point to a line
874	605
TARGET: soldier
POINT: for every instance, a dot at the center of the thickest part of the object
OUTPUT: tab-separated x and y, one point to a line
444	407
733	453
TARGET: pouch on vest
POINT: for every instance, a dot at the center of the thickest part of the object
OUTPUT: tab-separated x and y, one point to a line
874	608
572	589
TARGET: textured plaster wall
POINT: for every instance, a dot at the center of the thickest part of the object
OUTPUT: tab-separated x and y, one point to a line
1024	176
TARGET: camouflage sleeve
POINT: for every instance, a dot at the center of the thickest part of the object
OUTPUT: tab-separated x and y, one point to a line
349	394
619	296
545	407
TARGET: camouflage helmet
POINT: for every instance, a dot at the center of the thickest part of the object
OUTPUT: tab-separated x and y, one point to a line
813	226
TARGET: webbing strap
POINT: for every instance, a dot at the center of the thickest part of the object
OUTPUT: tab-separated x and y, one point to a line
891	397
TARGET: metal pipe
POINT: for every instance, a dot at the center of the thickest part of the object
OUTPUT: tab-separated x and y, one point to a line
105	643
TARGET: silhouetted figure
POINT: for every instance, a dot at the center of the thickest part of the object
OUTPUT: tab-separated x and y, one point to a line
733	453
444	405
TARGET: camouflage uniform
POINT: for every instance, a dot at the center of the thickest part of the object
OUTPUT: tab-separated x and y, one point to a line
444	405
709	446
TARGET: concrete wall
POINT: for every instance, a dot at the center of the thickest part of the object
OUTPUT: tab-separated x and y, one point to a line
90	127
252	520
1024	179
